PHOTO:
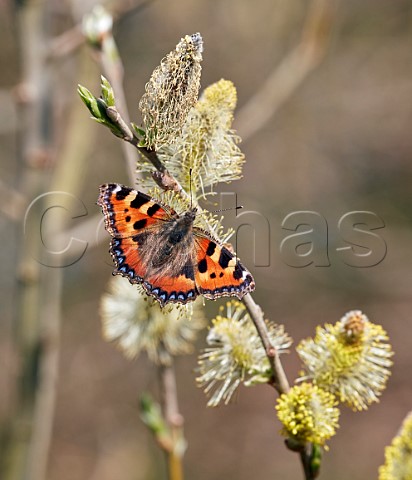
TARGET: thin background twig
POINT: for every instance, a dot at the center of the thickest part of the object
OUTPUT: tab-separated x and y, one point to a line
286	77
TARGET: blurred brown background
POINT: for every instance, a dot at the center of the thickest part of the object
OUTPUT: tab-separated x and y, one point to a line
340	141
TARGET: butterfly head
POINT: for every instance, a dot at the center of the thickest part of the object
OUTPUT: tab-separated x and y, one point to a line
189	216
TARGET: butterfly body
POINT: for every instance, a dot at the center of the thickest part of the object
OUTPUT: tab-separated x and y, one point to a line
174	260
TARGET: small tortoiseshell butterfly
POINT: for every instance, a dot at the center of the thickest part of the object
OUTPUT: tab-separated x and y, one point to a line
174	260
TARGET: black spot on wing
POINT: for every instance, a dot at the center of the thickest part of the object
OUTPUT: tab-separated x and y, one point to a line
140	224
211	249
139	200
153	209
188	272
213	275
238	272
225	257
128	218
202	265
123	193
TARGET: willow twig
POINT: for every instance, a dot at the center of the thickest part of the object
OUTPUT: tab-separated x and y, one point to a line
280	381
70	40
32	142
173	418
68	173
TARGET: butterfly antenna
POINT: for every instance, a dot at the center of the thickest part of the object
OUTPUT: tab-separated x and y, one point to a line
223	210
226	209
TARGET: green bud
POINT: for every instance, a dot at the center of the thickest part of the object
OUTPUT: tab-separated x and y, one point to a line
98	106
140	133
151	415
89	100
107	92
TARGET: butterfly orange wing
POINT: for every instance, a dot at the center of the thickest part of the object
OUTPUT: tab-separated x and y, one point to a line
130	218
177	289
219	273
127	211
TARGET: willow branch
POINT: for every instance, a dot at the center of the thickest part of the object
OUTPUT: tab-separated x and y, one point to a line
161	175
164	180
68	174
174	420
280	381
